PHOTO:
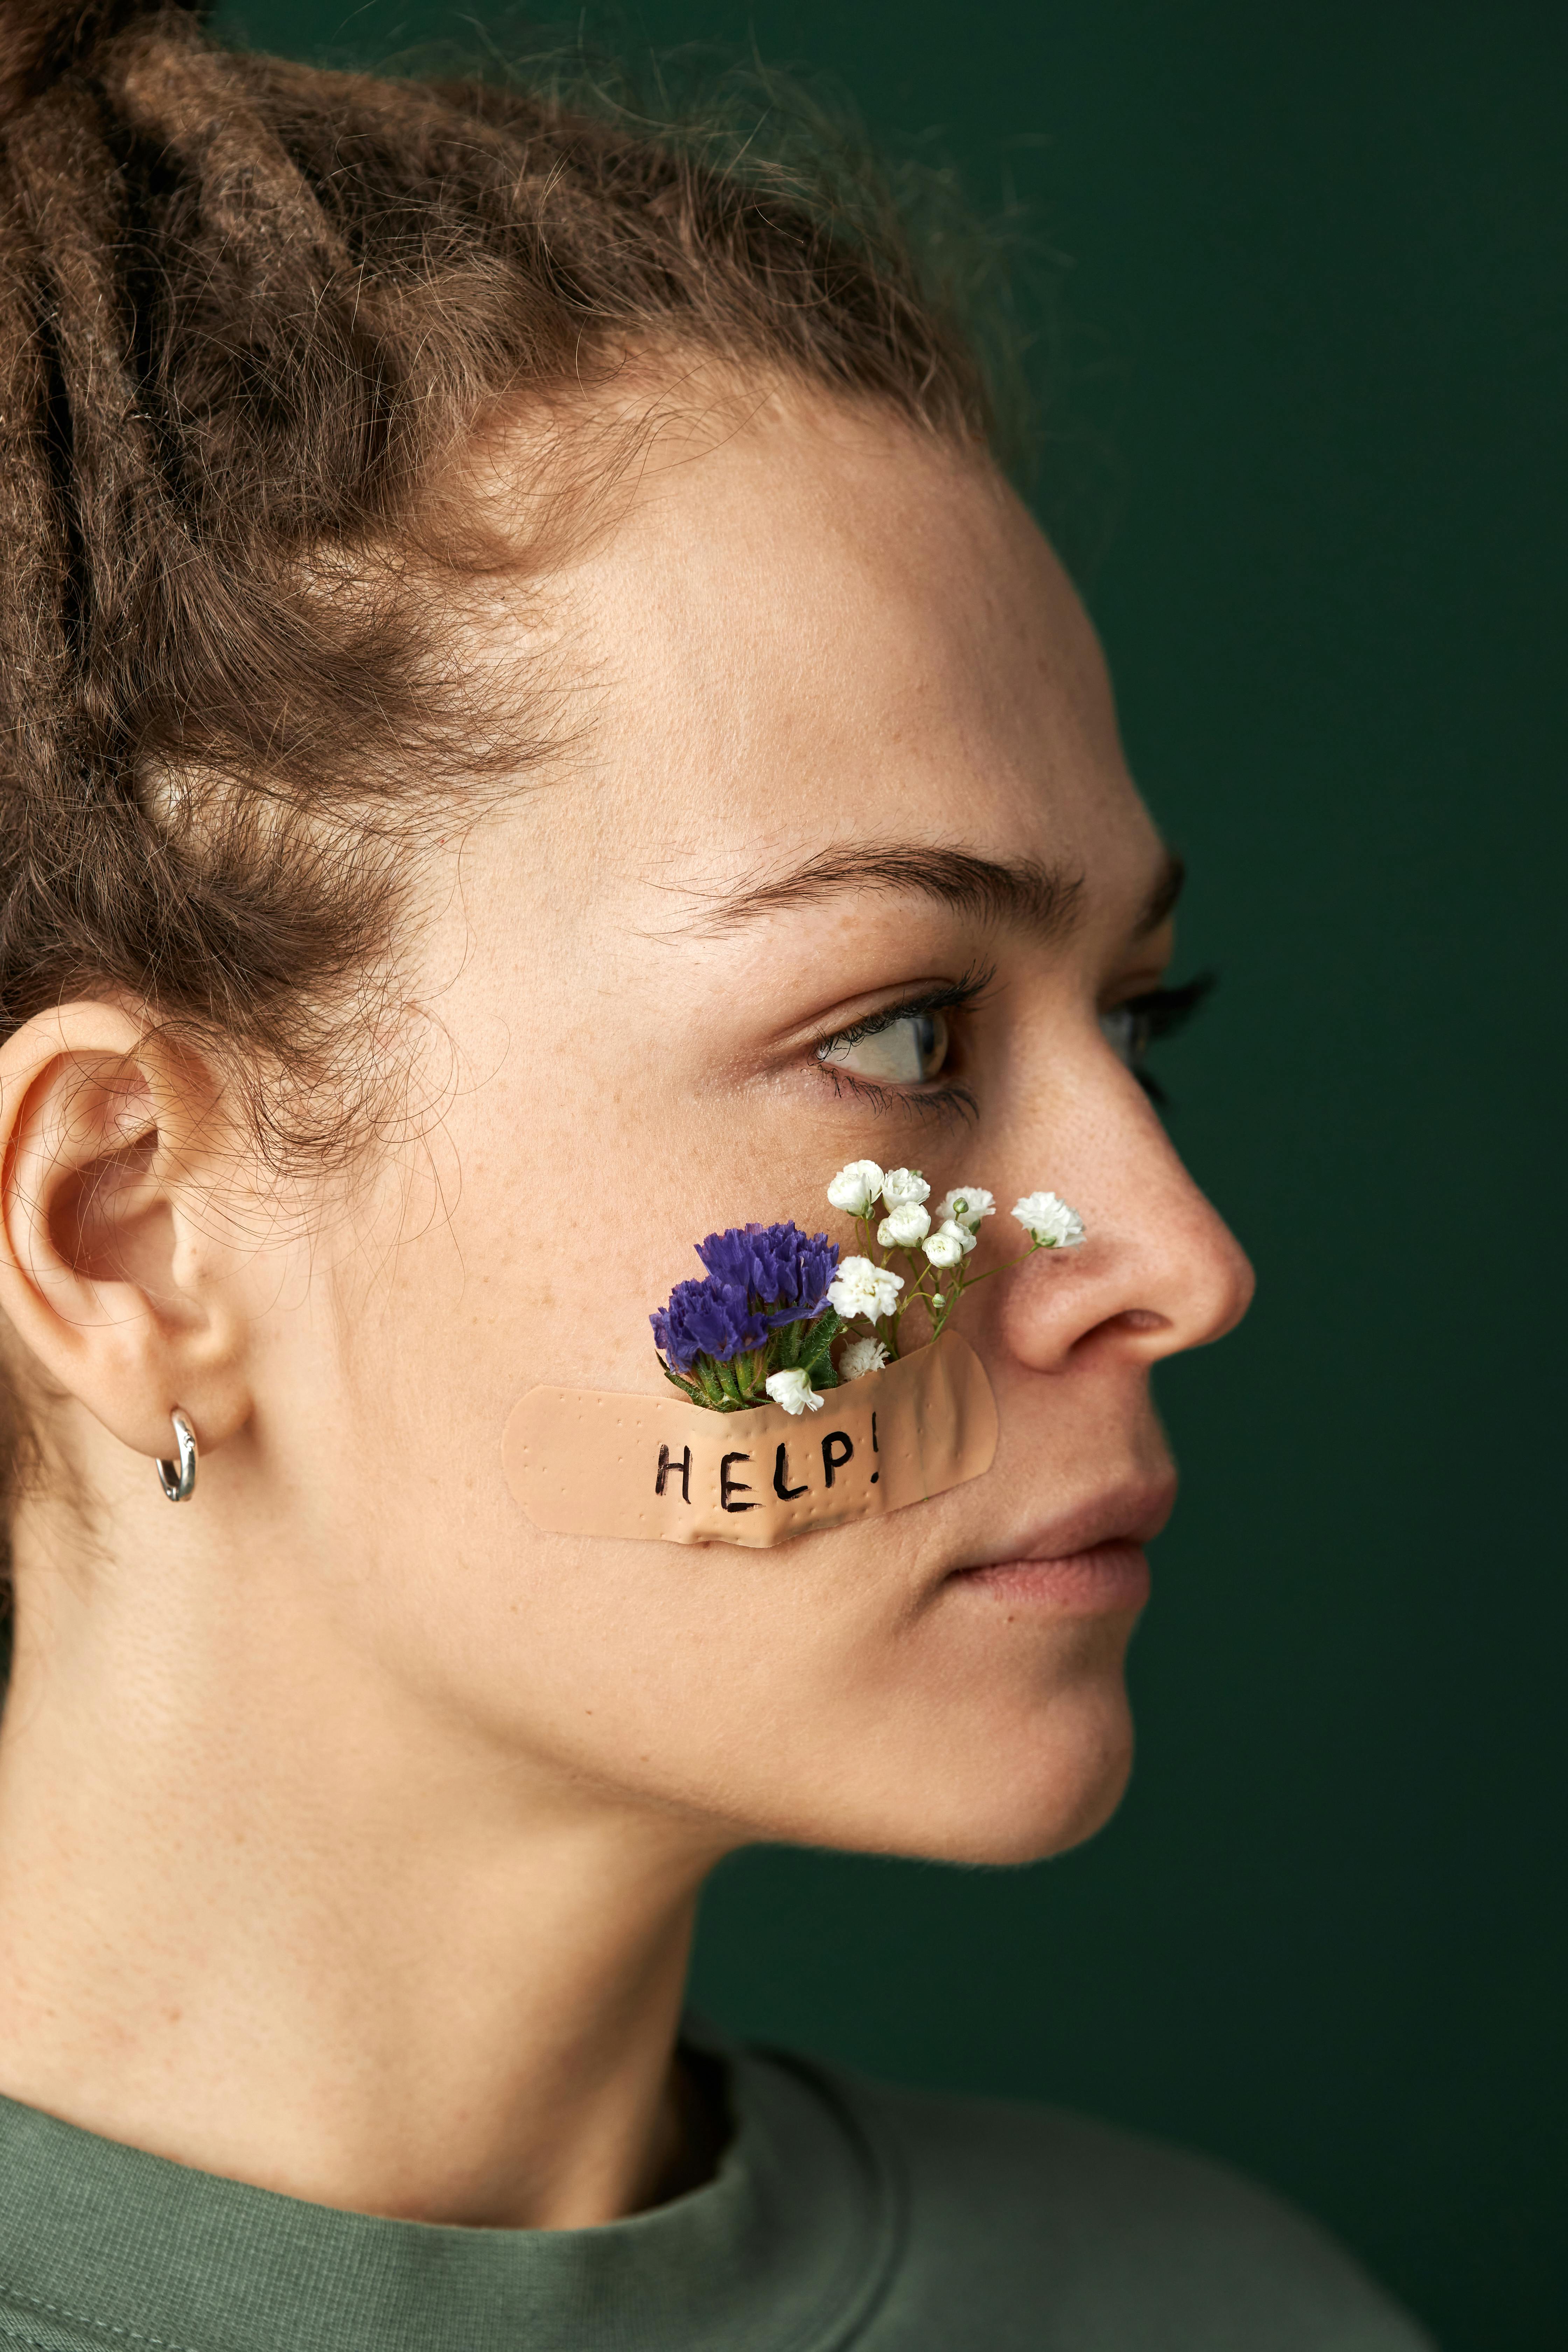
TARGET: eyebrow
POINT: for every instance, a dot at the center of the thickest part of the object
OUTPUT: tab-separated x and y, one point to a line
1020	892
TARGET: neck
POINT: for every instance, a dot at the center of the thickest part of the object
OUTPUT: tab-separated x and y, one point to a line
257	1917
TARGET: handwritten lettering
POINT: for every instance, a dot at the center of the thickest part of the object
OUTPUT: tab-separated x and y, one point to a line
782	1488
833	1461
728	1486
683	1466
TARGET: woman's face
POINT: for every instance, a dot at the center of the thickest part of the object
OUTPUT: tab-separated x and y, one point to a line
840	739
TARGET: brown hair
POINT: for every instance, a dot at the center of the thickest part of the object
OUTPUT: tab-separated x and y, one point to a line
248	311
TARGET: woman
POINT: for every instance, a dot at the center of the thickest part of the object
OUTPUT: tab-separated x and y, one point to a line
535	730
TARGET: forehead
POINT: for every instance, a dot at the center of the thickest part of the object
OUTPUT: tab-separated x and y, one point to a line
811	623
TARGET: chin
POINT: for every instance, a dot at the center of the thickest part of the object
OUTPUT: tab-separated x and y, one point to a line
1000	1800
1031	1824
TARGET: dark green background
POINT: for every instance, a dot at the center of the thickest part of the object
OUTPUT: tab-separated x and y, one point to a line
1318	285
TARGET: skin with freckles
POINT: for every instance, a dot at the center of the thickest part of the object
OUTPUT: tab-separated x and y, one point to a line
351	1825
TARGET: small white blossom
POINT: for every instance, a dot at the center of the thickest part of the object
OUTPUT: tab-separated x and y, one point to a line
860	1357
966	1204
793	1390
1049	1221
904	1227
860	1288
955	1243
854	1188
902	1186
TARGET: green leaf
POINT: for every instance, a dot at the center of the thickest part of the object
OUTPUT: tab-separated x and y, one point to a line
821	1337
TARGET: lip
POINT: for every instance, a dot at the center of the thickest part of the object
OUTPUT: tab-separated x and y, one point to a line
1134	1511
1087	1559
1105	1578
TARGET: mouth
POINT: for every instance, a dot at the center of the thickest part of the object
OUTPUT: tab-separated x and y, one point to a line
1083	1562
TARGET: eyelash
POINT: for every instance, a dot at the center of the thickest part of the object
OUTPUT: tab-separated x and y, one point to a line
941	1102
1161	1011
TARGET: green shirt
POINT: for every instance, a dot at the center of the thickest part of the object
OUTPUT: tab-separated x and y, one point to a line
841	2215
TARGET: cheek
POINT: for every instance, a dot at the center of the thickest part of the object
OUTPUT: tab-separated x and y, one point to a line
791	1694
577	1212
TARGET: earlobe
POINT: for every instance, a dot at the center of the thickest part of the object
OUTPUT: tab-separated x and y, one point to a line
112	1273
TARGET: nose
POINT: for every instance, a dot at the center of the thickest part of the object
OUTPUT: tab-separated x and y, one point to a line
1159	1270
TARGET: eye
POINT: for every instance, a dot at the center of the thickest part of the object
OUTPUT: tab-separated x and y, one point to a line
1130	1028
1127	1032
902	1051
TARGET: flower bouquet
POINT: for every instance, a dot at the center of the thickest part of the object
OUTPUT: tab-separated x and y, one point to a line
774	1303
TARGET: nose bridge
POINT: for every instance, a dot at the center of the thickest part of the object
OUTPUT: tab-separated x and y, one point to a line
1159	1266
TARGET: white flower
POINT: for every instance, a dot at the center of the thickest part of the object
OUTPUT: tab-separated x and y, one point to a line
854	1188
1049	1221
794	1391
902	1186
966	1204
904	1227
860	1357
859	1287
949	1243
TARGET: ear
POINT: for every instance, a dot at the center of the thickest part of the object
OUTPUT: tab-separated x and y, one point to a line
116	1270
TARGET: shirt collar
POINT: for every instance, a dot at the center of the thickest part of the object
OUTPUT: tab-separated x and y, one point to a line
779	2251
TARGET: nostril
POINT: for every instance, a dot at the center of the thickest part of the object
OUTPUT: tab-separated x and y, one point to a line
1106	1334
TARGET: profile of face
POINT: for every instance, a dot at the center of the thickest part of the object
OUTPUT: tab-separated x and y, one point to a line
838	859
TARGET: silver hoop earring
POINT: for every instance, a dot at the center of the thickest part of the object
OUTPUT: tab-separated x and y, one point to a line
179	1482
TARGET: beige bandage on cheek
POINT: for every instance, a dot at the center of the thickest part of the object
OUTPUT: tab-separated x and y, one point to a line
585	1462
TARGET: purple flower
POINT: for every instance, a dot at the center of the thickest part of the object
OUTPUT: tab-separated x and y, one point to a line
778	1265
759	1278
706	1318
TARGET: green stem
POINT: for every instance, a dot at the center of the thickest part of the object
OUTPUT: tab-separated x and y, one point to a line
1006	1265
916	1289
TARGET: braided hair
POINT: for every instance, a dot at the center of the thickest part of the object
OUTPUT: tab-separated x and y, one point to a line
249	312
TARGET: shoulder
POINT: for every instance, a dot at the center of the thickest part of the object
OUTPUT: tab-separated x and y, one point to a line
1029	2227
